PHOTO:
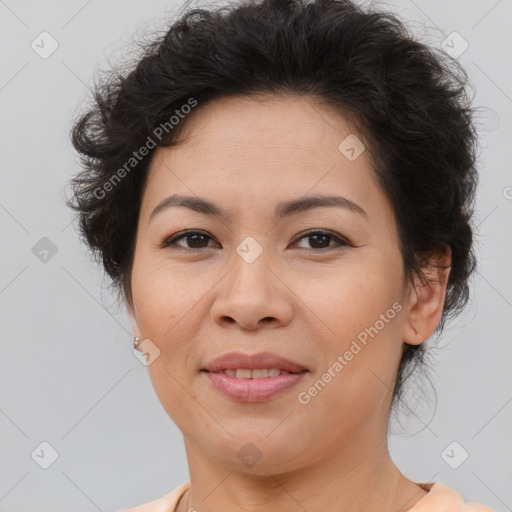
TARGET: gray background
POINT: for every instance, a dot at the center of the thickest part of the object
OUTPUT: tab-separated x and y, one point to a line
67	372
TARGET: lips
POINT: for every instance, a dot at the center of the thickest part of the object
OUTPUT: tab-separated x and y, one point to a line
251	378
253	390
260	361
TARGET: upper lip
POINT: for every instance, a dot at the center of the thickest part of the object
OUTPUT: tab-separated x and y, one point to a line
239	360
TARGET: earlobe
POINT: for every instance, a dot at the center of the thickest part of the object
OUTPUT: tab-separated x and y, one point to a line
133	320
427	298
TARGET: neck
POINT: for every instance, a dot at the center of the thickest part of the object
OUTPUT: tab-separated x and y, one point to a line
345	480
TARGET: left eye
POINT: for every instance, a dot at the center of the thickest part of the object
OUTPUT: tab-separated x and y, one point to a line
321	236
200	238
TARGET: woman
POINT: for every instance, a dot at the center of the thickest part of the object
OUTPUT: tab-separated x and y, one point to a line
282	192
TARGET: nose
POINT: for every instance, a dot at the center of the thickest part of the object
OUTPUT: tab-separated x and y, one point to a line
252	296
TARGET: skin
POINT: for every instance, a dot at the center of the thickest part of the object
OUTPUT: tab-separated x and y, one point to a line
199	299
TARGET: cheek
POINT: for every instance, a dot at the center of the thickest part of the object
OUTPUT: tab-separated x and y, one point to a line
360	313
167	299
168	309
352	299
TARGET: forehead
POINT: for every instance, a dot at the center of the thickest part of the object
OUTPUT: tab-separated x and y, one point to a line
261	148
296	121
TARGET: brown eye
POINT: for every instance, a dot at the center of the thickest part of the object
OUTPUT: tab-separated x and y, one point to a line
195	240
322	238
319	240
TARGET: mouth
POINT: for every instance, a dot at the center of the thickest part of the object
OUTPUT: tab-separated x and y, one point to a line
257	373
253	378
250	389
260	365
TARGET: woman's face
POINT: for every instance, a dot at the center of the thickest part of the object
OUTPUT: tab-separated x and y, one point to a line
252	280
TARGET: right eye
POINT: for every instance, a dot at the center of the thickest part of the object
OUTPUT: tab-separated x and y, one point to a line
197	238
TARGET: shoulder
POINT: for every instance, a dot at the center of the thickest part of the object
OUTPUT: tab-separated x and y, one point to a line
166	503
442	498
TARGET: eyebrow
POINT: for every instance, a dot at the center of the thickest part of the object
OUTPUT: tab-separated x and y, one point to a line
282	210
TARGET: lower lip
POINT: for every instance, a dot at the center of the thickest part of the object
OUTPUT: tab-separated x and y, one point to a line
253	390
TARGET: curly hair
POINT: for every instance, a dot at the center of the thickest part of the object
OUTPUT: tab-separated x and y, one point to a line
407	100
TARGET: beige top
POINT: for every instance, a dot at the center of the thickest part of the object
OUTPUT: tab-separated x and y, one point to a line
440	498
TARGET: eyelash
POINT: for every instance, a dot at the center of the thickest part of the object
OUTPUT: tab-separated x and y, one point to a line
342	242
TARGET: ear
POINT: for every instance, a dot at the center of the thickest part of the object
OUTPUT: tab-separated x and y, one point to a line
427	297
133	319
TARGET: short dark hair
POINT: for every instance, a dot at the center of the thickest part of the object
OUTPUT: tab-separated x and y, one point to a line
406	99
